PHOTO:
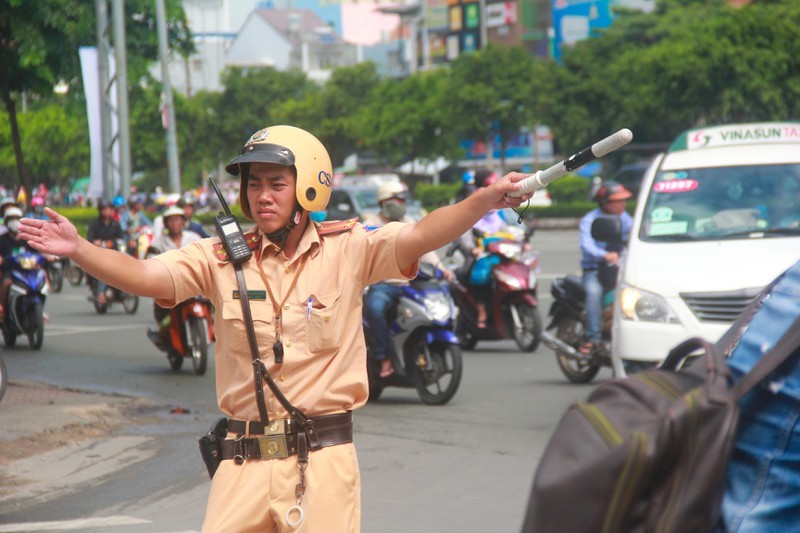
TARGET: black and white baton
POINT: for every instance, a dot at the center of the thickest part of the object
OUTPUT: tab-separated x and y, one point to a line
543	178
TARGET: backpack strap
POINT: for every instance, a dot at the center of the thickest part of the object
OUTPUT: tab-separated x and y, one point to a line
770	361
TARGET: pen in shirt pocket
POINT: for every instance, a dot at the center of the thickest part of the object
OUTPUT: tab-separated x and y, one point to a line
308	309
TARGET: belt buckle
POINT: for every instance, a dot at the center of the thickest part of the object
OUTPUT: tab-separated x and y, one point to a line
278	426
273	447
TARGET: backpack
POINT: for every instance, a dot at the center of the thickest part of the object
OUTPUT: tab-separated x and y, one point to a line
649	452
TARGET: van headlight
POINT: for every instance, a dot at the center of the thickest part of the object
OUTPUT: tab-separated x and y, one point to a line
438	306
644	306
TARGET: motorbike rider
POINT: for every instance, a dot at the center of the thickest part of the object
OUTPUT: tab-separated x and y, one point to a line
103	228
173	237
134	217
611	199
10	243
5	203
188	205
308	325
37	208
491	222
382	297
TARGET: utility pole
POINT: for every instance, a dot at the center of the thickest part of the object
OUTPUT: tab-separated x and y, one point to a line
103	48
172	141
121	60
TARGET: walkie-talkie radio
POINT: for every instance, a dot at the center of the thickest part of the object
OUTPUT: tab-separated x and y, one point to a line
229	231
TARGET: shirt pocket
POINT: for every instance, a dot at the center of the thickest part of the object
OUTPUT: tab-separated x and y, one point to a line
324	333
233	331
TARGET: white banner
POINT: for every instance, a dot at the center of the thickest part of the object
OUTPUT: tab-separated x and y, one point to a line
91	86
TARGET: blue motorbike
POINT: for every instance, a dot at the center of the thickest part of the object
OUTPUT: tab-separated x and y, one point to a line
428	352
26	296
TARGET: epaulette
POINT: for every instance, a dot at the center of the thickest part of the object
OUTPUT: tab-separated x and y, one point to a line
253	239
335	226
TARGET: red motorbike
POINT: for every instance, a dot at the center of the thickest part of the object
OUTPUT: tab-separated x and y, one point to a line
513	309
185	331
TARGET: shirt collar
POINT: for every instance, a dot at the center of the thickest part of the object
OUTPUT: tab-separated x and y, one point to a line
310	242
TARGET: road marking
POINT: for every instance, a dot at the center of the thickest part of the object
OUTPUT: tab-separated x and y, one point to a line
56	330
65	525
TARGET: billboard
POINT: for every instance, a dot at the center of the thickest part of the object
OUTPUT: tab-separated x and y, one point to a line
574	20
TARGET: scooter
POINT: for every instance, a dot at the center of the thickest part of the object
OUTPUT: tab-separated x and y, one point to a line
428	355
55	273
26	297
72	272
187	333
130	302
513	311
568	312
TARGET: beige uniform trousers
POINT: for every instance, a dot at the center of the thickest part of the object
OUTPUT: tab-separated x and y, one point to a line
254	496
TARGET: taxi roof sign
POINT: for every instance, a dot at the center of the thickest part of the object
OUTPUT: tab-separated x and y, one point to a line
737	134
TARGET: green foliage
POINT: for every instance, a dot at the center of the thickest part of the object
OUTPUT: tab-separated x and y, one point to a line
569	189
403	121
433	196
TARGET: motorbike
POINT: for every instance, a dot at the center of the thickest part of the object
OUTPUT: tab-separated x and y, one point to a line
72	272
568	312
513	311
130	302
26	297
188	334
55	273
428	355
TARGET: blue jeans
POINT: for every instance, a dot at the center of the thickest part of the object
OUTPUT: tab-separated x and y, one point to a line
763	489
594	305
379	301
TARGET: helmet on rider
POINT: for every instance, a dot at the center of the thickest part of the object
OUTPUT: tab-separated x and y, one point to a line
173	211
118	201
5	203
292	147
11	218
611	190
37	201
391	189
485	177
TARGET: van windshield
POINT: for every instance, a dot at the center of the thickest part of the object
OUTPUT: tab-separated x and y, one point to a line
723	203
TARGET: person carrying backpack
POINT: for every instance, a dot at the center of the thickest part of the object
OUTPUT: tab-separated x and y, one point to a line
763	486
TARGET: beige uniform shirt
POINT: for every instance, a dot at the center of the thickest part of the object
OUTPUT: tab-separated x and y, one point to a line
324	364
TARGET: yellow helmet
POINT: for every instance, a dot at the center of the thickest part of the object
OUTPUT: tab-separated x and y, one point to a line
289	146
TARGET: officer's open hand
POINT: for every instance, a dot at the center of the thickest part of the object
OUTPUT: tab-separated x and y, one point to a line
56	236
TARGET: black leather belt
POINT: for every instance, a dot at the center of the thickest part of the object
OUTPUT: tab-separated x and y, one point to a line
280	438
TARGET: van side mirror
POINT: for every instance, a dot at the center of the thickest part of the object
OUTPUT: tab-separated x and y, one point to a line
607	229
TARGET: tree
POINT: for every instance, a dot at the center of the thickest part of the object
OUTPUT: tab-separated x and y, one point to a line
407	119
687	64
331	112
39	44
490	94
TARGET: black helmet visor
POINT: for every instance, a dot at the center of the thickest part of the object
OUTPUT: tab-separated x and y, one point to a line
261	153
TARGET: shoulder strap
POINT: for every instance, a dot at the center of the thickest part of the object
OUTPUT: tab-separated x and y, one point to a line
786	346
335	226
261	374
251	340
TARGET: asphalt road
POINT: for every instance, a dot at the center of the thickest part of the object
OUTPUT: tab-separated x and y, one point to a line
465	467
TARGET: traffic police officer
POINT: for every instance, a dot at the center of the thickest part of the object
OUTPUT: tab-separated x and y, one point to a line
305	283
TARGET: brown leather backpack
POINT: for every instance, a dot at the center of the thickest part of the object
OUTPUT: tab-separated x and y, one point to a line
649	452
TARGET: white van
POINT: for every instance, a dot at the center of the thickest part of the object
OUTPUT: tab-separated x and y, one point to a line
717	219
